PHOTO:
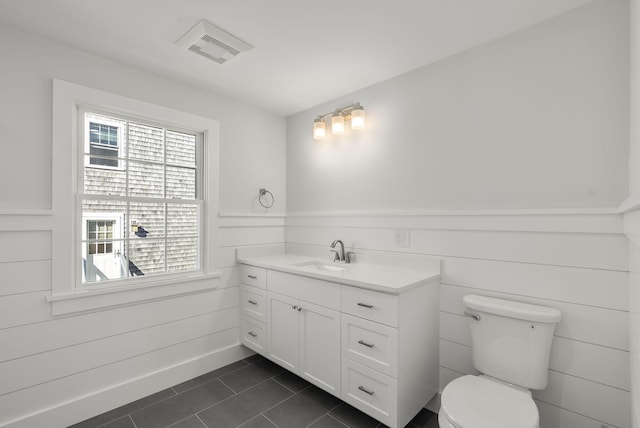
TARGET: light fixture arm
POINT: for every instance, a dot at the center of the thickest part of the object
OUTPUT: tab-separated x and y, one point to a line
345	111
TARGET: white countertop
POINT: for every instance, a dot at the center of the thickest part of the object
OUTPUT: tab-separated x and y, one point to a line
387	279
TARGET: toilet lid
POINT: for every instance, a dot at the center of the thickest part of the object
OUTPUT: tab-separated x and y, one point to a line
482	402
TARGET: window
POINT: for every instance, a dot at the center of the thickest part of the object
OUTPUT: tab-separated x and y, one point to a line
146	176
78	197
100	236
103	143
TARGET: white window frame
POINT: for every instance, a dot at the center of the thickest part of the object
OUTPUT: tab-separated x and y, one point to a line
66	295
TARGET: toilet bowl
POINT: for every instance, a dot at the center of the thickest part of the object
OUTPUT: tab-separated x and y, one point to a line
485	402
511	345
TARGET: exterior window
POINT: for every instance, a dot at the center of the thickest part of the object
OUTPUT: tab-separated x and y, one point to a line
103	143
100	236
140	199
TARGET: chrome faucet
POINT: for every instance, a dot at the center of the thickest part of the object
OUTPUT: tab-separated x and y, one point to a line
340	255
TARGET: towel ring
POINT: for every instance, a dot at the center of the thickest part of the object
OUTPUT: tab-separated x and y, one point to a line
263	192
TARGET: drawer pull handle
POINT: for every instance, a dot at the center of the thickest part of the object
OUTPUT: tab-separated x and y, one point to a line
365	390
252	302
296	308
365	305
252	276
363	343
252	334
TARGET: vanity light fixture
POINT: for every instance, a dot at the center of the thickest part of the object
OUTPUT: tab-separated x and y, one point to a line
353	112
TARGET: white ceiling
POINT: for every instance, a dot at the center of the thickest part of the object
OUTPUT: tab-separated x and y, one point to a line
304	52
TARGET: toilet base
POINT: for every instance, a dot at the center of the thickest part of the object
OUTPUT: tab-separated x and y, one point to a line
442	420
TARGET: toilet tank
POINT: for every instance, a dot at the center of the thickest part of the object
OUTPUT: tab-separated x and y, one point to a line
511	341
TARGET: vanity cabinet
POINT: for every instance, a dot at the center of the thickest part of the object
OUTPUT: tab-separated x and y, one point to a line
304	337
377	351
390	351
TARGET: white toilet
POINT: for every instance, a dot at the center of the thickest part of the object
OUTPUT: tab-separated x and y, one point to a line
511	344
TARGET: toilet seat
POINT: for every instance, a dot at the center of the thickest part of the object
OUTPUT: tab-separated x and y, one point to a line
484	402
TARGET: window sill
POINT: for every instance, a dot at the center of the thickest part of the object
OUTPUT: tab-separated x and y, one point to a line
103	298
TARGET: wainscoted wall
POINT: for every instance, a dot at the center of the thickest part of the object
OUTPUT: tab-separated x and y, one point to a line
509	162
632	211
632	227
58	370
575	261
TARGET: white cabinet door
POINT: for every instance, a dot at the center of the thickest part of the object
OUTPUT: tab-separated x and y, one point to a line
320	346
283	330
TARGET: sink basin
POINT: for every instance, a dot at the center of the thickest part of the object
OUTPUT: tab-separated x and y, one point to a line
327	267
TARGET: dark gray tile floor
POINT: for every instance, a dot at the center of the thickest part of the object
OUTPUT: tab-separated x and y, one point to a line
252	393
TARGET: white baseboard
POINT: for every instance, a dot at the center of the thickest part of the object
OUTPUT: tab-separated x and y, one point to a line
100	401
434	404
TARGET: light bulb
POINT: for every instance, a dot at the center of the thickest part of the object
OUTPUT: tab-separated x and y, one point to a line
357	117
319	129
337	123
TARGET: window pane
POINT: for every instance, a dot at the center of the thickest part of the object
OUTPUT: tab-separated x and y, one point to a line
181	148
182	220
146	180
146	142
181	183
146	257
103	210
103	261
182	254
103	244
146	220
102	181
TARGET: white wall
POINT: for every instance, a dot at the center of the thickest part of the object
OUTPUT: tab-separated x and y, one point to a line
508	161
632	213
59	370
533	120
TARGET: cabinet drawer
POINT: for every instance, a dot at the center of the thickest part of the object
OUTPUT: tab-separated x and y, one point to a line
371	305
253	302
370	391
371	344
255	276
254	335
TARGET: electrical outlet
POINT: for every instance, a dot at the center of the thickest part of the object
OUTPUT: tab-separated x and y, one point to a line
402	238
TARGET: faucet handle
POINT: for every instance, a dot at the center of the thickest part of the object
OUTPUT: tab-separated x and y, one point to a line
349	256
336	256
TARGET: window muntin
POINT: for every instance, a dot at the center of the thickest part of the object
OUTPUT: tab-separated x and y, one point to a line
155	190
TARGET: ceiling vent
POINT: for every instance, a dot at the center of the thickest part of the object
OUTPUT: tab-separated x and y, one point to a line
213	42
